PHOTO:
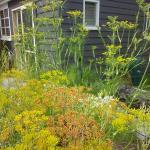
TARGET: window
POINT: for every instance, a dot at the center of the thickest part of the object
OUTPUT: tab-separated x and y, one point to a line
5	23
22	17
91	9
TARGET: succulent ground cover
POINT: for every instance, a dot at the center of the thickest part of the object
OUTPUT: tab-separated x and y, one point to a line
48	114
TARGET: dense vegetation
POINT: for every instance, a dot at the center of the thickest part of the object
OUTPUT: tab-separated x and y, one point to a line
57	104
46	114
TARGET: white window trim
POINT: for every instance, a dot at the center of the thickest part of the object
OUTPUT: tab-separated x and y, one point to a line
22	8
97	2
3	37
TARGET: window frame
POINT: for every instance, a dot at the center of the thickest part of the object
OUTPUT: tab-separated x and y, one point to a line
22	7
97	2
5	37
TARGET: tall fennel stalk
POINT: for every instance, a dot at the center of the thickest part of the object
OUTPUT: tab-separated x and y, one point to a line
119	59
29	40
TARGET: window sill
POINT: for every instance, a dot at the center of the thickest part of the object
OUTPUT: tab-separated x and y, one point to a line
6	38
91	28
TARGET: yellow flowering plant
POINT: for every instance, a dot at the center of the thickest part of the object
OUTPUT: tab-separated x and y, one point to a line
75	13
29	121
55	77
14	73
123	122
58	117
30	127
142	120
37	140
118	58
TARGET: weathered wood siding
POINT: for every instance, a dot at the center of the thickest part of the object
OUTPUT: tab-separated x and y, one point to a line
47	29
125	10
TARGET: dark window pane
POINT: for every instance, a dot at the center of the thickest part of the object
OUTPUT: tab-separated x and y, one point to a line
16	21
19	17
6	13
6	22
3	22
2	14
27	17
7	31
3	31
90	14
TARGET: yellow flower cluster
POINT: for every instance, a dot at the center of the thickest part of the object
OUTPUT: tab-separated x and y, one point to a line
114	24
122	121
13	73
142	119
29	121
32	130
55	77
120	59
142	114
41	140
75	13
127	25
112	50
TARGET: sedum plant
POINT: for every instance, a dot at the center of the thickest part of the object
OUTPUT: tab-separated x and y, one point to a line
41	115
55	77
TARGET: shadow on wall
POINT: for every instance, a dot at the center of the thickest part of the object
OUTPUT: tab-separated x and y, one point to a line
6	54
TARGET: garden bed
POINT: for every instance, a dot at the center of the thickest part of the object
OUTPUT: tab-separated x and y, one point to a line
48	114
